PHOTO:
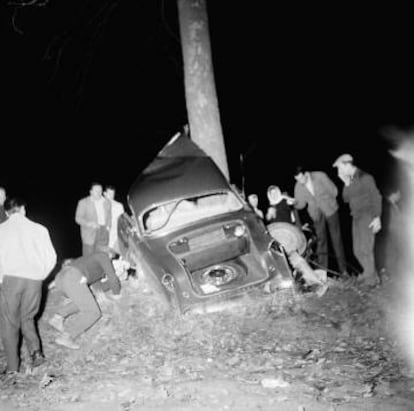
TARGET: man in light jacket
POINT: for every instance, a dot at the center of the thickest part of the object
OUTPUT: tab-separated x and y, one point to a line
93	214
27	257
317	191
117	209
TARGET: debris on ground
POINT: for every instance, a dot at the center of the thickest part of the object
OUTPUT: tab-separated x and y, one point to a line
276	351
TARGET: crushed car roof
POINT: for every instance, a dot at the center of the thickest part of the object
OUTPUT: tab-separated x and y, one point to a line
180	170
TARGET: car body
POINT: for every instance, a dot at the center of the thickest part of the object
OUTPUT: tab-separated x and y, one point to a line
192	234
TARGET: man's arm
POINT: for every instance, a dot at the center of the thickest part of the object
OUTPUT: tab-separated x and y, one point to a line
49	253
328	184
112	279
300	201
80	215
375	195
108	214
345	194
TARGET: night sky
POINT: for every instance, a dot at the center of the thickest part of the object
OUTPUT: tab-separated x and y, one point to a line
92	89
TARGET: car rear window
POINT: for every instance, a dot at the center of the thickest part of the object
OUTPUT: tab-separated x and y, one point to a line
189	210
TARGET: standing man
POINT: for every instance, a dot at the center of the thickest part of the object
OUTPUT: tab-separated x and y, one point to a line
3	216
316	191
117	209
93	214
74	280
365	203
27	257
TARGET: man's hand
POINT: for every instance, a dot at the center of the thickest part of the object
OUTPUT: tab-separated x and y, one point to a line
375	225
271	213
102	299
306	227
395	197
115	297
290	200
345	178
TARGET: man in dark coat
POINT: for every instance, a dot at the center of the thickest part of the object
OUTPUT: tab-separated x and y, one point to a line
365	202
74	280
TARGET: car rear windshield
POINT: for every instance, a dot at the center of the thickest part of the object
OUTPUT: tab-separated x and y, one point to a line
178	213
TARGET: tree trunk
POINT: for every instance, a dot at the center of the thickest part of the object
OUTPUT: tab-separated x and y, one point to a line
200	91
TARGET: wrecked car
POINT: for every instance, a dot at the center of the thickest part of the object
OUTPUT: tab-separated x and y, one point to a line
192	235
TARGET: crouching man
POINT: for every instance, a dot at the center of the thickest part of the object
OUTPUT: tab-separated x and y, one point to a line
74	280
27	257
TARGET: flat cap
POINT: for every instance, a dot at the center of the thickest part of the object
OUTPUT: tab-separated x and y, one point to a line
344	158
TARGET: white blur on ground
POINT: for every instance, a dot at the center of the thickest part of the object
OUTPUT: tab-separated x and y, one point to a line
403	230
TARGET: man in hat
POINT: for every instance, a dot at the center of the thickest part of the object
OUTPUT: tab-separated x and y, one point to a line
365	202
316	191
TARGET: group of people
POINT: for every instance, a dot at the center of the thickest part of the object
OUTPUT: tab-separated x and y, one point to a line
97	216
317	193
28	257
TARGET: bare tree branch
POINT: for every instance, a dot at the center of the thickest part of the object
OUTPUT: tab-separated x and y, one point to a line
20	4
13	20
84	36
25	3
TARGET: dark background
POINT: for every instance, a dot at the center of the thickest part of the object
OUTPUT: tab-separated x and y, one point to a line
91	90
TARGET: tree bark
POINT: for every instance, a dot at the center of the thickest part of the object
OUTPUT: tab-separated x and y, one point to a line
200	91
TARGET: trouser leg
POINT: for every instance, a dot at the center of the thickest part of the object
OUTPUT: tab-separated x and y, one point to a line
10	295
102	239
363	246
87	249
321	242
29	307
337	244
60	282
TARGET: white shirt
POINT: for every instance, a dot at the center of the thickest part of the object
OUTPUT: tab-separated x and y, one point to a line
26	249
309	184
100	211
116	210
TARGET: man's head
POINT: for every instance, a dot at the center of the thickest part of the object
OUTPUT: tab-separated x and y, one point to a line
96	191
300	175
15	205
273	194
109	192
2	196
253	200
345	165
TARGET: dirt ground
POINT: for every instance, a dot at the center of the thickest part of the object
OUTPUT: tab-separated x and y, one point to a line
283	351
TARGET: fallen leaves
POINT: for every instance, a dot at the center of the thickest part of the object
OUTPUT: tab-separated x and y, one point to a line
333	349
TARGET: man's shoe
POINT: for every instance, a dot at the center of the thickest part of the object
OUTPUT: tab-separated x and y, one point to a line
67	341
322	289
370	281
38	359
57	322
348	281
8	377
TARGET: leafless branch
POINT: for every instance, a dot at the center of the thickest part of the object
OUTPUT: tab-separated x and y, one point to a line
25	3
90	31
13	20
20	4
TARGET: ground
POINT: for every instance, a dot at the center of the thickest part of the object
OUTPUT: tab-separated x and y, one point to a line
281	351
